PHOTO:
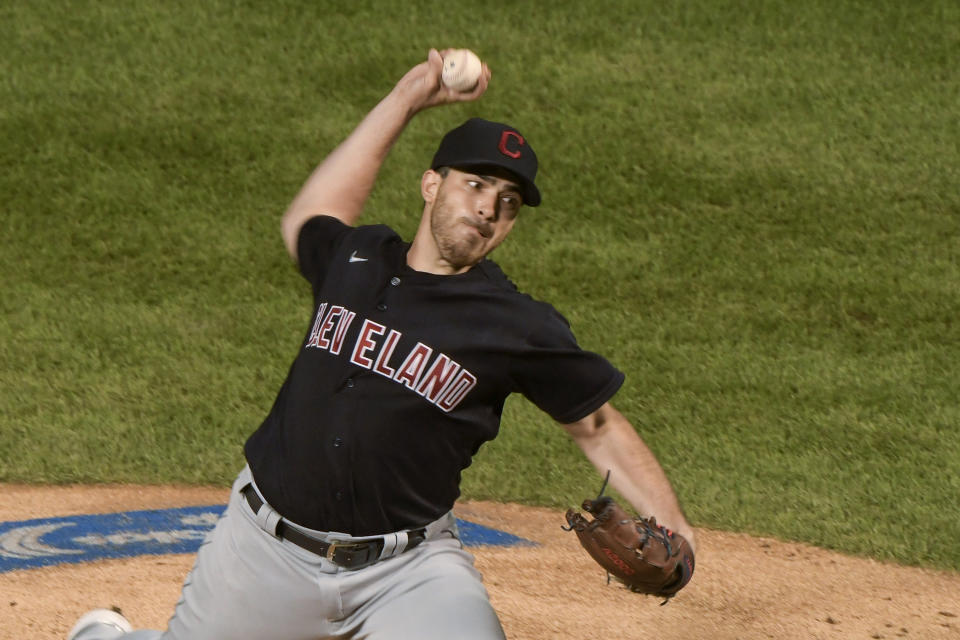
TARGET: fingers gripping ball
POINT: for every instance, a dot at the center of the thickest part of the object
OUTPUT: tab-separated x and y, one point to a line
461	70
644	556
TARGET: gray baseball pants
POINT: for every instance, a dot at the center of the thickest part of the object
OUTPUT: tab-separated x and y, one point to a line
246	583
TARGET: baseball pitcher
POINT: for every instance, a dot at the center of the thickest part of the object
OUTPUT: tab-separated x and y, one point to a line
340	525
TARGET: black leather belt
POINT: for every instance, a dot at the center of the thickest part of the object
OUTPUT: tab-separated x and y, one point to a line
351	555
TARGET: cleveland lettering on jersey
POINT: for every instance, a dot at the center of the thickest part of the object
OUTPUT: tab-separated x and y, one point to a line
439	379
319	337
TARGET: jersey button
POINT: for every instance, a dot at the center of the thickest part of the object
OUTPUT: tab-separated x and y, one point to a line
381	307
337	442
339	495
395	281
350	383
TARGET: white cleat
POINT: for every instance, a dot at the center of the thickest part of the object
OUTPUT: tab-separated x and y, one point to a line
105	620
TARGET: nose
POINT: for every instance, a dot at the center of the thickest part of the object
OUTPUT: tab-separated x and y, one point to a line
487	206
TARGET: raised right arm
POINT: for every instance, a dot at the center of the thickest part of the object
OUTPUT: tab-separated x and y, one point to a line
341	184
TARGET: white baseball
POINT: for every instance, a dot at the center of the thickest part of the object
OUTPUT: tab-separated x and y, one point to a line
461	70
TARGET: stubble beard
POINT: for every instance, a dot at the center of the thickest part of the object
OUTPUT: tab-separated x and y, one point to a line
455	249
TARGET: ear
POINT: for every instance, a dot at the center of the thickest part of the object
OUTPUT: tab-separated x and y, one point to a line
429	185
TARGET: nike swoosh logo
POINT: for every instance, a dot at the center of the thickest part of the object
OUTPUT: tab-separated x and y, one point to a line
355	258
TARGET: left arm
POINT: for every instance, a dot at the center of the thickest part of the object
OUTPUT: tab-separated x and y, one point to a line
611	443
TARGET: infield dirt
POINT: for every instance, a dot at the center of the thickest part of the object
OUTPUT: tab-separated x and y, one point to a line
743	588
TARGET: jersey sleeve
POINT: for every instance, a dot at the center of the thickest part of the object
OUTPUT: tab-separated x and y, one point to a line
318	240
565	381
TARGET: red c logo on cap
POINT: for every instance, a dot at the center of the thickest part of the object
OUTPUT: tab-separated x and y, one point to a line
505	138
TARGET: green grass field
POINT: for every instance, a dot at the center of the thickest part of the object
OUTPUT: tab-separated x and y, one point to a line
752	208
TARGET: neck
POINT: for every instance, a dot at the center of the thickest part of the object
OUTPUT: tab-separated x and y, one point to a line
423	256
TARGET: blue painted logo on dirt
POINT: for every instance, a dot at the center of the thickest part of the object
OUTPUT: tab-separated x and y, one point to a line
73	539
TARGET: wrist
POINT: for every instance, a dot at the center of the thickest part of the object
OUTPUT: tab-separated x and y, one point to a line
689	535
415	91
400	104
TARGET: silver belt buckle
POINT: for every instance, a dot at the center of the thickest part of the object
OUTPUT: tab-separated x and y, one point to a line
331	549
340	544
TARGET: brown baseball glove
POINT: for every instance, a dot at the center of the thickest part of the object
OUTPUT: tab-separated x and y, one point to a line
644	556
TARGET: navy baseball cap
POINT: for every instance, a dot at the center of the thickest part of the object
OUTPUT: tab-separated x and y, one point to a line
481	143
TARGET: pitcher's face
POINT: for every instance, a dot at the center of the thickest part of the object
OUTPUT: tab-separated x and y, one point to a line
471	214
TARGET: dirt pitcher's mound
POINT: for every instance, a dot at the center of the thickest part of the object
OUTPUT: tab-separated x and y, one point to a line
743	587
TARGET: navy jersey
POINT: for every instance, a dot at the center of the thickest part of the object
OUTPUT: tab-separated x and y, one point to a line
401	377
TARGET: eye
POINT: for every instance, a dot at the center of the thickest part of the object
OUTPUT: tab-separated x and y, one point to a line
475	184
511	201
